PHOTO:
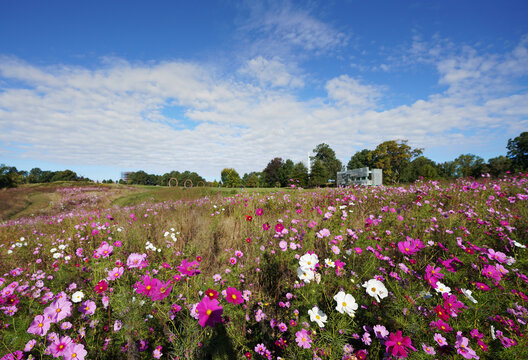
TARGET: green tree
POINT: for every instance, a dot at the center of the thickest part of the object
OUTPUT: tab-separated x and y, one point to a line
392	157
324	153
421	167
66	175
230	178
272	175
518	151
499	165
285	173
360	159
468	165
9	177
319	174
253	180
300	173
35	176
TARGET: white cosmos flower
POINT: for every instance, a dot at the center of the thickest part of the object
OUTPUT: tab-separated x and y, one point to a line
77	296
329	263
57	255
518	244
467	293
305	275
345	303
317	316
376	289
441	288
308	261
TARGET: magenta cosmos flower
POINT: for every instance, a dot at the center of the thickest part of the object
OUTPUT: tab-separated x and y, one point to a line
189	268
39	326
161	291
209	312
147	286
234	296
397	345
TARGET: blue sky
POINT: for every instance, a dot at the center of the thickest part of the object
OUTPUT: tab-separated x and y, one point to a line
101	87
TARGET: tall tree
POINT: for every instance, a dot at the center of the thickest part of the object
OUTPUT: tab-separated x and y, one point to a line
230	178
468	165
272	176
421	167
360	159
518	151
300	173
319	174
392	157
499	165
324	153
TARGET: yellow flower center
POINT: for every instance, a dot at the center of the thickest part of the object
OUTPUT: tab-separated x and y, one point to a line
149	287
208	312
234	296
58	310
344	304
317	317
40	325
373	289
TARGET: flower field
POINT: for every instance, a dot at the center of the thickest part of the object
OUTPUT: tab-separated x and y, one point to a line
428	271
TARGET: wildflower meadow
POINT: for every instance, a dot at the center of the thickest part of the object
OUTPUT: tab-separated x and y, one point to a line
432	270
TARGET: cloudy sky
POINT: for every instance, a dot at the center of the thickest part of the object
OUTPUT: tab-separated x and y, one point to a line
101	87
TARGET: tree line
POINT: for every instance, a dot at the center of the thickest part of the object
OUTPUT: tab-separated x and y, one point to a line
400	164
10	176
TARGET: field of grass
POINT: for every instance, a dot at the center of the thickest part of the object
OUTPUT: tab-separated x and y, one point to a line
426	271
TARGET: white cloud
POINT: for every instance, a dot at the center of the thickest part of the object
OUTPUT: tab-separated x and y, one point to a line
282	26
349	92
272	73
113	115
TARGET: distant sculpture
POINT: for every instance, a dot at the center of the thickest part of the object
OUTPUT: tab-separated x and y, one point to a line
361	176
188	183
174	180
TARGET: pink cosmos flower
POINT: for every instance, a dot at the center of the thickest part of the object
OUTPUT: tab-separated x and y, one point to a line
157	352
75	352
115	273
234	296
279	227
105	250
59	346
58	310
428	349
209	312
303	339
30	345
397	345
135	260
88	307
490	271
259	212
39	326
440	340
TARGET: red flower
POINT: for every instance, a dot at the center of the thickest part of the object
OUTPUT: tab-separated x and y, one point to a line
248	240
212	294
279	227
249	218
101	286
